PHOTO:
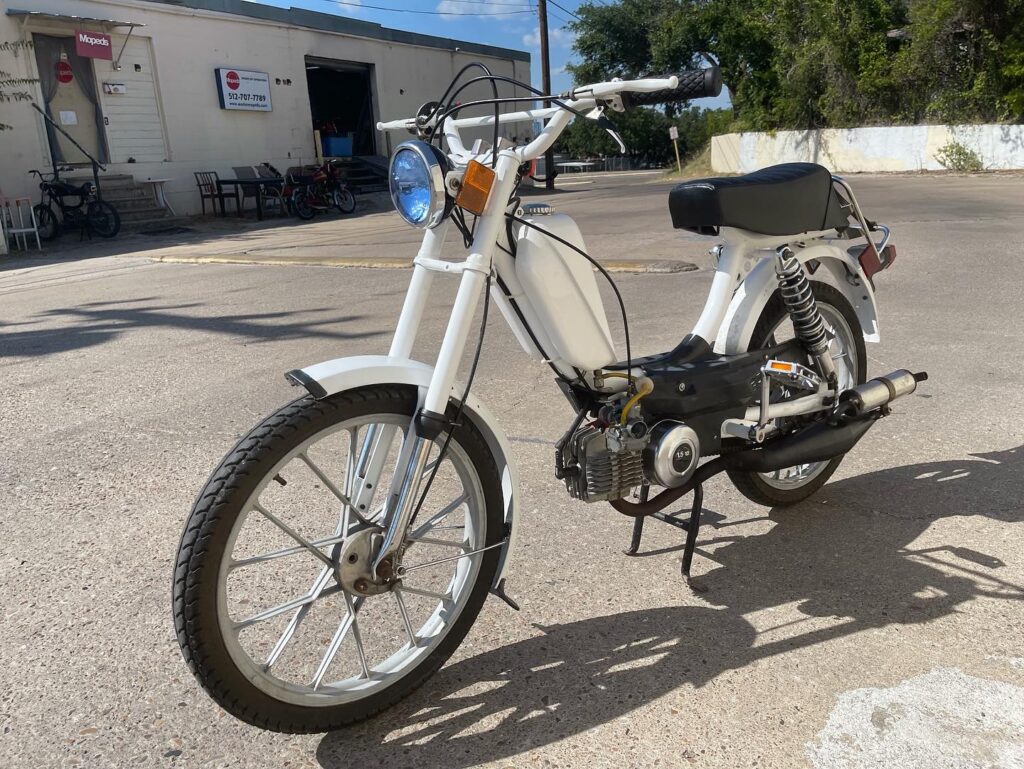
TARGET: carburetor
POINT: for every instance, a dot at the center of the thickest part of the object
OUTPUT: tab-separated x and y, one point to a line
602	464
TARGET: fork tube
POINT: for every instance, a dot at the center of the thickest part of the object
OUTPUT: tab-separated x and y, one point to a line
416	297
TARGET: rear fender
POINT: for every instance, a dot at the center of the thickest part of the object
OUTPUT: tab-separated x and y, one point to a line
834	267
334	376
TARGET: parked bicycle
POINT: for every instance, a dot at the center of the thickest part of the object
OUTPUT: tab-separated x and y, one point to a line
79	206
323	190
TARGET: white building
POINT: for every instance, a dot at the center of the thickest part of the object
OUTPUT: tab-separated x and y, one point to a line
164	88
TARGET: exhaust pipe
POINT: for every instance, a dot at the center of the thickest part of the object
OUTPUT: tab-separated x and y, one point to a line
856	411
878	392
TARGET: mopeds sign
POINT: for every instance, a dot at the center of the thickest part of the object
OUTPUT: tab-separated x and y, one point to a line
243	89
93	45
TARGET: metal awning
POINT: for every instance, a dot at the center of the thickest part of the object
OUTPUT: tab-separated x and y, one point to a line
43	15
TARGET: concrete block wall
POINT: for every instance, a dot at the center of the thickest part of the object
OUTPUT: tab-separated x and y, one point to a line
871	149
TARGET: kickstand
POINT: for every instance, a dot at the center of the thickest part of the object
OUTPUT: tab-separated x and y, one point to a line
691	526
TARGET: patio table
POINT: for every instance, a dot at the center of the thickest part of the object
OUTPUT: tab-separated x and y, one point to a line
263	180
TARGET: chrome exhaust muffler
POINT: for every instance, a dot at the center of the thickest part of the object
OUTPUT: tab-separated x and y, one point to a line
877	393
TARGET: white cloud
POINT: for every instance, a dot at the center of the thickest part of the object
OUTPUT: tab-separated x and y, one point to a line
556	36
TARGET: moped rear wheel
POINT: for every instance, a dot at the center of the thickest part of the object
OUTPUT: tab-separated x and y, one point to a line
265	624
301	205
795	484
46	222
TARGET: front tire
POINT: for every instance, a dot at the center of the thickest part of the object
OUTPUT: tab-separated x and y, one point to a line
263	470
104	219
793	485
344	200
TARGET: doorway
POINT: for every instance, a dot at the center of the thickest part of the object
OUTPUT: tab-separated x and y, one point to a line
71	99
341	100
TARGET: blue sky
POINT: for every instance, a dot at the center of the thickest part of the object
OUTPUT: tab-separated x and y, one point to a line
507	23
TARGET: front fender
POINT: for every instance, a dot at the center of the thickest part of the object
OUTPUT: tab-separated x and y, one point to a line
835	267
334	376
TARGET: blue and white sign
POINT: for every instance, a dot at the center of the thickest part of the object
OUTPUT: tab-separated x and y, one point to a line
243	89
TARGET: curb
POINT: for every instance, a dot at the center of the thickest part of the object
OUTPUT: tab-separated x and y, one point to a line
639	266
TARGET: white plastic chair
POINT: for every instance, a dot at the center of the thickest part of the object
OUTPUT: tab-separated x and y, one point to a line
20	229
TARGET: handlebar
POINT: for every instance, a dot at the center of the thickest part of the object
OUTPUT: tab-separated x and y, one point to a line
693	84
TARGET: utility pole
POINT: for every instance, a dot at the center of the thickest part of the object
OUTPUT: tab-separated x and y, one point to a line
545	74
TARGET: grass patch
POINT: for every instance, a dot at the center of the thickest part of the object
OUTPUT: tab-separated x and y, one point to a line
696	166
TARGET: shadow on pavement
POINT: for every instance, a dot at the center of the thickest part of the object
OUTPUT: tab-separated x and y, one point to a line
94	323
845	556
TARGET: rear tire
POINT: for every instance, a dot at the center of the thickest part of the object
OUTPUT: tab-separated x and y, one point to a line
46	222
754	486
207	545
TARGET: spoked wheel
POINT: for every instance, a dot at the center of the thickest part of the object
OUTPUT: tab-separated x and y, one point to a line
344	200
265	615
301	205
103	219
46	222
794	484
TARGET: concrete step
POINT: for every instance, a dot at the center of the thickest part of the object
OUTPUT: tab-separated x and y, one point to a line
151	213
125	205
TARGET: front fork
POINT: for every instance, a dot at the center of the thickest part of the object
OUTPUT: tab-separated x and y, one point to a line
430	420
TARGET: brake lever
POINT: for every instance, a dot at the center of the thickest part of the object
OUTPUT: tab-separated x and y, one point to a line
598	116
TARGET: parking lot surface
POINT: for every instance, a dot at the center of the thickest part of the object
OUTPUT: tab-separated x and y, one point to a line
880	624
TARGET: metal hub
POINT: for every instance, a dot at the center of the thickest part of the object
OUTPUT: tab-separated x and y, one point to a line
353	563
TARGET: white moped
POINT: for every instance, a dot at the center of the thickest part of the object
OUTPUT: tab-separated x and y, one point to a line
341	551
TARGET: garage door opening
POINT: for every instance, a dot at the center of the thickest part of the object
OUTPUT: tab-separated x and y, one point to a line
341	100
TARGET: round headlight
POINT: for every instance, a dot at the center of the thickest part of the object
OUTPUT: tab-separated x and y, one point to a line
416	182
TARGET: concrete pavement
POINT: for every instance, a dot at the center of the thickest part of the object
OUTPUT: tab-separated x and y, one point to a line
879	624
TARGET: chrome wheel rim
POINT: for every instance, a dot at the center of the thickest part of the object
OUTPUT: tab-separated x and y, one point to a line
843	349
313	644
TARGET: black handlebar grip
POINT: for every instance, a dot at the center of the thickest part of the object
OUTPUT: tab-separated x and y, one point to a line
693	84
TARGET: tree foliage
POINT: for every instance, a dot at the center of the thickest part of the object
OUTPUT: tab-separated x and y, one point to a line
823	63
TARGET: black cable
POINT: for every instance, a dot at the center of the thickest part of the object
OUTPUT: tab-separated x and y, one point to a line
566	10
604	272
462	403
494	89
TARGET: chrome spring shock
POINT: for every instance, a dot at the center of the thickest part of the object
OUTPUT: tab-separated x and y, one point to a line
808	325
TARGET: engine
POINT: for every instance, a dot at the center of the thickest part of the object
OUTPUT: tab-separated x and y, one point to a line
606	463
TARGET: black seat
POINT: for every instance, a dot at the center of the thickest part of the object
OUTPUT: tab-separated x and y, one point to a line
785	199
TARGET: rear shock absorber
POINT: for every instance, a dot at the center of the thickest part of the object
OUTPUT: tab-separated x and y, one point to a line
803	310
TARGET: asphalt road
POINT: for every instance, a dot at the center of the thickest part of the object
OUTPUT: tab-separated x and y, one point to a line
878	625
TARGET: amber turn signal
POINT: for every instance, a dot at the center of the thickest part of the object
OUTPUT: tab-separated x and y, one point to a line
476	188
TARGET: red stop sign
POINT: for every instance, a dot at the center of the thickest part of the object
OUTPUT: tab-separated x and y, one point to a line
64	74
232	80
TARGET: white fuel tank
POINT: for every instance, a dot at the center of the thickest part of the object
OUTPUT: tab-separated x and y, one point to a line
562	289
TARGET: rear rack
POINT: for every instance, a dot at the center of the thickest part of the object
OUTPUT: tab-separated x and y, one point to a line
863	227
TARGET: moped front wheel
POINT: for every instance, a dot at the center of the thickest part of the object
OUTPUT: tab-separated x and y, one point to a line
344	200
266	624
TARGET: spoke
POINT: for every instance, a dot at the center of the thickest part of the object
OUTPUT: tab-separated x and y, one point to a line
296	620
285	607
446	598
397	593
292	533
324	479
357	637
438	542
285	552
336	641
439	516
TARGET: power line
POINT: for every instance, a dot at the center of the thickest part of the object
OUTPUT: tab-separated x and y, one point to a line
562	8
488	3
